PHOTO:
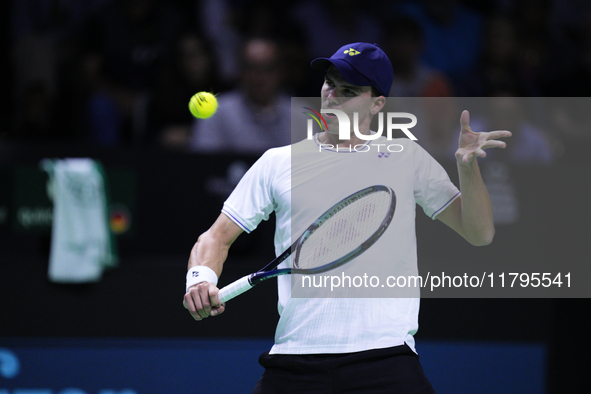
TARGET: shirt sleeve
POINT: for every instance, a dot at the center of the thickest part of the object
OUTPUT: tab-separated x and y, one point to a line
252	200
433	191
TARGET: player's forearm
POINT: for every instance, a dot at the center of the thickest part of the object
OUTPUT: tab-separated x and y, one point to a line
476	211
209	251
211	248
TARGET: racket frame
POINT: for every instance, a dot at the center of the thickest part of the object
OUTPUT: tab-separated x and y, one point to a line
269	271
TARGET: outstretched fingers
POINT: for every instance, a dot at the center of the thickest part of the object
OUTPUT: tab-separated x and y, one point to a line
472	145
491	139
494	135
494	144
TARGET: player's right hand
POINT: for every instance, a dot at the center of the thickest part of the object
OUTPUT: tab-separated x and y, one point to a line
202	301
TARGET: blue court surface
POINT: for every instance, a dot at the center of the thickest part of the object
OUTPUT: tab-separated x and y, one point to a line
484	367
145	366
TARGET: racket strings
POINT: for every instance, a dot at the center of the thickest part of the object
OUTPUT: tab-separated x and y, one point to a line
344	230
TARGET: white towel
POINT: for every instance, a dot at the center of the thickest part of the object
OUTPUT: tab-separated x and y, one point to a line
81	241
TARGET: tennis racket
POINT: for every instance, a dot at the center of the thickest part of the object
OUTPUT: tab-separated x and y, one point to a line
339	235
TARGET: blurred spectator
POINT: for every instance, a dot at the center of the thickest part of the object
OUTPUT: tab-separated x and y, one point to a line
574	80
264	18
567	21
452	34
270	18
500	64
255	116
326	25
569	109
535	37
226	23
124	51
40	36
118	75
191	69
35	116
219	21
404	44
329	24
38	28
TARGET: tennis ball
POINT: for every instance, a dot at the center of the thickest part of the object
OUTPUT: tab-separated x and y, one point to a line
203	105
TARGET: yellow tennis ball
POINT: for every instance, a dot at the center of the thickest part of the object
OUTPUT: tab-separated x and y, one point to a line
203	105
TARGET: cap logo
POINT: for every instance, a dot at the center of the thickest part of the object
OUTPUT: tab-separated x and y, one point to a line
351	52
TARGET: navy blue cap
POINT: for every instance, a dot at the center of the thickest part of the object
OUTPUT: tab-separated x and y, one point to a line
361	64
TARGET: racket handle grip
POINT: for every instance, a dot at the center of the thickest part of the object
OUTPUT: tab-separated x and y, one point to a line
235	288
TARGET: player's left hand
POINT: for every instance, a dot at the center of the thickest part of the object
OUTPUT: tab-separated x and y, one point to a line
473	144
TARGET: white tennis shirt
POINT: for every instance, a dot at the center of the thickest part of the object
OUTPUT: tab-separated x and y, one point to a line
300	182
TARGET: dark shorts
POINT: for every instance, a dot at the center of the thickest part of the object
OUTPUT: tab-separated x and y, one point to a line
390	370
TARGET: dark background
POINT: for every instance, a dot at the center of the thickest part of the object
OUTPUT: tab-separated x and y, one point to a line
142	296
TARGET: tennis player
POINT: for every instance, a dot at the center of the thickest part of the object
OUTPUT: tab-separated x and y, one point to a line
334	345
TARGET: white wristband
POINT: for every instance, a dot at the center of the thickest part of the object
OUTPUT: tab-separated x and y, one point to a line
199	274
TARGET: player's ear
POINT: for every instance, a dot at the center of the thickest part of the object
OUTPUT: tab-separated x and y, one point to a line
378	104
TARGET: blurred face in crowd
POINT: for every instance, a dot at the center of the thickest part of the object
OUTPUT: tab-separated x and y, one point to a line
195	61
138	11
501	41
261	71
